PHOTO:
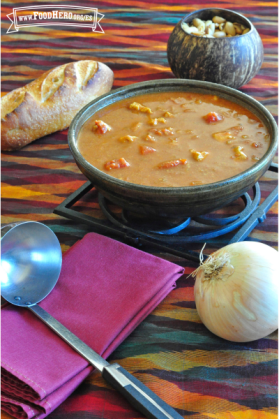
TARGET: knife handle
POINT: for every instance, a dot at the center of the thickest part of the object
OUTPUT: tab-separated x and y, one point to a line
139	396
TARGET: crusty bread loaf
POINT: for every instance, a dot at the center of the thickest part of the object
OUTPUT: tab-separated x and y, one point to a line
49	103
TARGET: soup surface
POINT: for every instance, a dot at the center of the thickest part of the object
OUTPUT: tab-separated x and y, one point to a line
173	139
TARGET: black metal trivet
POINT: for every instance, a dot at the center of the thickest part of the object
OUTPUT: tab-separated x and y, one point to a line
172	235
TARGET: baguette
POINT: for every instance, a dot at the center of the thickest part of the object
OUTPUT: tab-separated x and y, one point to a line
49	103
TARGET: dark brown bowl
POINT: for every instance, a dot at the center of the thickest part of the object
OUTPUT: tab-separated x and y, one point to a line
178	201
229	61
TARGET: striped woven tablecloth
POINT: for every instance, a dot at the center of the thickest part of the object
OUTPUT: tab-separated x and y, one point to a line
197	373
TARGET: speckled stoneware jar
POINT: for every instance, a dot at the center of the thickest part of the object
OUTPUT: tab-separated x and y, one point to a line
231	61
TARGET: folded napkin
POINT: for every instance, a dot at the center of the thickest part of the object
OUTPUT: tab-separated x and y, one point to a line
105	290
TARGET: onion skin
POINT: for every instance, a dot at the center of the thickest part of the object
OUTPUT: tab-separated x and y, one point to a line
240	301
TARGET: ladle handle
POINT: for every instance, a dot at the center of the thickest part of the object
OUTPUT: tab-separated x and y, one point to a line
84	350
140	396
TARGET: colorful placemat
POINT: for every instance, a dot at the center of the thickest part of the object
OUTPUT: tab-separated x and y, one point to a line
199	374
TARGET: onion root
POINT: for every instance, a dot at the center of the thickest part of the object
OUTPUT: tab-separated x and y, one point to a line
216	266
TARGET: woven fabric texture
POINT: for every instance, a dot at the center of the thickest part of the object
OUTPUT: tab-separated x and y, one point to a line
199	374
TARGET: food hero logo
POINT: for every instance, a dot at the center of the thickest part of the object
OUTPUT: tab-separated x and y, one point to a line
50	15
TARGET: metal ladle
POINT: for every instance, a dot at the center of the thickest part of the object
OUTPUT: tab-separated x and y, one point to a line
30	267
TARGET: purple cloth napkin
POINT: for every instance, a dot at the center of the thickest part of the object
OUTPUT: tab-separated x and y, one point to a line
105	290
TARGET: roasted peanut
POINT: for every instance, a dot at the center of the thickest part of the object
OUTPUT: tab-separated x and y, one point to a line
229	28
245	31
185	27
237	28
208	22
218	19
189	29
193	29
210	29
201	28
200	24
219	34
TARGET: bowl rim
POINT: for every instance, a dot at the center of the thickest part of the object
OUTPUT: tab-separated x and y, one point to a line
214	88
251	26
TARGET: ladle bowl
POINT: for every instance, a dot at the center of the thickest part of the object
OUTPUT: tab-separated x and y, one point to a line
31	261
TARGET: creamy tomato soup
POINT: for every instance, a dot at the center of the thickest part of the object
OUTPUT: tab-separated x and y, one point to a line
173	139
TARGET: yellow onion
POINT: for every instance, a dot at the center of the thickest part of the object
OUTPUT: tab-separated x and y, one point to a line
236	291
